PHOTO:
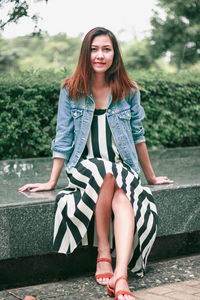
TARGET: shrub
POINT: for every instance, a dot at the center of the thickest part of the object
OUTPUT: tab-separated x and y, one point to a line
28	104
172	106
28	107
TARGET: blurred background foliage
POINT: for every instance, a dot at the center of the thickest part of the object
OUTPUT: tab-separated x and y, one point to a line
61	51
178	33
173	44
23	53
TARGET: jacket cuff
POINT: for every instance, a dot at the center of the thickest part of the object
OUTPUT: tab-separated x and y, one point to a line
59	155
140	140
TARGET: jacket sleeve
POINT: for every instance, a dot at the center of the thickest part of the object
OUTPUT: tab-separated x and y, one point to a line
62	145
137	115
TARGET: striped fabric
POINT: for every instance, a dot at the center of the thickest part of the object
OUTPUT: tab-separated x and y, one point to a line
100	141
74	215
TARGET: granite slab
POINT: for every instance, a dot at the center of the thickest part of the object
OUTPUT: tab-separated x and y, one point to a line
26	219
180	164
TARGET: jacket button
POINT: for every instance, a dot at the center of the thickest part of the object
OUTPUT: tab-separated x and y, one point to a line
109	110
119	143
113	125
125	158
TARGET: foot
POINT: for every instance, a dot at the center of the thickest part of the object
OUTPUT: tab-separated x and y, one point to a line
122	285
29	298
104	268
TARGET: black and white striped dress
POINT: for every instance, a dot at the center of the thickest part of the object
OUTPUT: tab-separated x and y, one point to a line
74	215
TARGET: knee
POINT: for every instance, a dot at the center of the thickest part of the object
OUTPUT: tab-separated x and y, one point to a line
109	178
119	199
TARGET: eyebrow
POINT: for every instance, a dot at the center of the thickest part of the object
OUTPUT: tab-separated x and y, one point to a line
109	45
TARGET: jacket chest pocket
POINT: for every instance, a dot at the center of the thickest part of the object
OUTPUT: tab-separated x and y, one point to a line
124	115
124	118
77	116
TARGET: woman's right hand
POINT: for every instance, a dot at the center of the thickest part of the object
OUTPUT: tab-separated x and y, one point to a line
36	187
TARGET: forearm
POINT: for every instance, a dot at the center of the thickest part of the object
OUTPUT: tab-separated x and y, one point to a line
145	162
56	170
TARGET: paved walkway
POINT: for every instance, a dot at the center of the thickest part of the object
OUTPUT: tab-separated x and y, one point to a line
171	279
187	290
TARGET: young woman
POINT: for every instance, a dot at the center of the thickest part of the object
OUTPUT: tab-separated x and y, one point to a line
100	137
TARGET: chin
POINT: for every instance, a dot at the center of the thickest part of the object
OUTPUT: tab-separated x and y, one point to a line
103	70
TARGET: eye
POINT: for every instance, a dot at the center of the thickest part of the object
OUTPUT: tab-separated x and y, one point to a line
93	49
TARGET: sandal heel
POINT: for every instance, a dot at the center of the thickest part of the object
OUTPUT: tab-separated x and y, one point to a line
110	291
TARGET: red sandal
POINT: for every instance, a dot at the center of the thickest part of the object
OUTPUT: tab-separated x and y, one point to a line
111	291
103	275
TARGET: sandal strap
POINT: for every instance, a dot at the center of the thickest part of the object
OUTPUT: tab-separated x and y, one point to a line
104	275
121	292
118	279
104	259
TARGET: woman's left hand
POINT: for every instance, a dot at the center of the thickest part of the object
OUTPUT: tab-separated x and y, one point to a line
160	180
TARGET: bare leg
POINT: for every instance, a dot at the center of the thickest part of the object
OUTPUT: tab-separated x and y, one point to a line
29	298
103	211
124	230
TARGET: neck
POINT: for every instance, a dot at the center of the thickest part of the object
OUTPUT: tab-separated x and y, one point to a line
98	81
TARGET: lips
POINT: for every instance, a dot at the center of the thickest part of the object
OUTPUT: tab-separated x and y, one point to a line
99	63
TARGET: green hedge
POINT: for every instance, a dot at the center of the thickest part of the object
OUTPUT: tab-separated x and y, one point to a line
172	106
28	106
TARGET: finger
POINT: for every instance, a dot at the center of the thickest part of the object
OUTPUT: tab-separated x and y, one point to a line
167	181
38	189
160	180
24	188
163	177
28	187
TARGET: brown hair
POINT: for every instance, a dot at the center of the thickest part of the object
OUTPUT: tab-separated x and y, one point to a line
79	83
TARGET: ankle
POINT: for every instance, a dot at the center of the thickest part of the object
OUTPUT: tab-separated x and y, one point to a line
120	272
104	252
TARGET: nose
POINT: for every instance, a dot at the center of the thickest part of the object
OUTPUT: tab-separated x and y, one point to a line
100	54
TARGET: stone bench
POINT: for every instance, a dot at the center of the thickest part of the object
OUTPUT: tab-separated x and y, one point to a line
26	220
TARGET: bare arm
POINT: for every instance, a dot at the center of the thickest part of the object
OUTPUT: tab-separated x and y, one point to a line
47	186
147	167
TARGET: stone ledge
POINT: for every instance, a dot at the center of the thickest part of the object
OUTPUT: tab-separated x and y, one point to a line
27	219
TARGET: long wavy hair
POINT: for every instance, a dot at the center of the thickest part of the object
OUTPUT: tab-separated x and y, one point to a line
116	76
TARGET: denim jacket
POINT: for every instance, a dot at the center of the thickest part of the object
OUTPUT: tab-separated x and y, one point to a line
74	122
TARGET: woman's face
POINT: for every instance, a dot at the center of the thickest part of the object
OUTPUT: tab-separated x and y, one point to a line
102	53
